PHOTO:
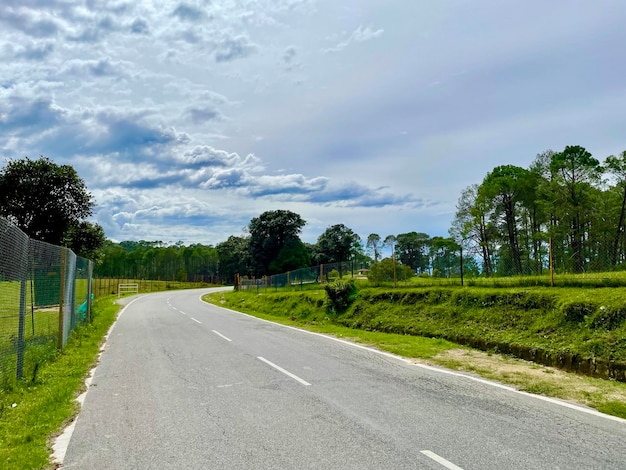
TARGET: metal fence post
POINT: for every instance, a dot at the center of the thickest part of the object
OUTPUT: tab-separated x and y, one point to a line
551	265
62	298
89	290
20	328
461	260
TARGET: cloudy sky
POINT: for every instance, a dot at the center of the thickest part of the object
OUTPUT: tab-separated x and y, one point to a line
186	119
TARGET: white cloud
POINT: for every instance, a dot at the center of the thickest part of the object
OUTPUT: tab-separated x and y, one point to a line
187	118
361	34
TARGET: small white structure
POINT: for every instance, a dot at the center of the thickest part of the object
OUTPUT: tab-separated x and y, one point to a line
127	288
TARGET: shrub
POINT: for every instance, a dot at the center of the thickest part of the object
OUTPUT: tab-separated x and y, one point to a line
383	271
339	295
609	318
577	311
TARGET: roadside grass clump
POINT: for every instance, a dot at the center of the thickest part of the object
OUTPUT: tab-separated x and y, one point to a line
35	408
339	295
576	312
609	318
306	306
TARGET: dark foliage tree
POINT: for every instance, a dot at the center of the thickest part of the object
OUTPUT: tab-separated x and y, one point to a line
155	261
337	244
617	167
268	235
574	171
412	250
505	189
293	255
43	199
444	254
234	258
85	239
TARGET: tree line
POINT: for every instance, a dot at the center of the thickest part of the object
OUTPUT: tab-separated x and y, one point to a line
566	203
272	246
422	254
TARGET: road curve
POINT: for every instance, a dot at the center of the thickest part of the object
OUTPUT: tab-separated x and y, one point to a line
185	384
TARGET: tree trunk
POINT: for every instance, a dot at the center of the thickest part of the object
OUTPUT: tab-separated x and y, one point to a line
620	229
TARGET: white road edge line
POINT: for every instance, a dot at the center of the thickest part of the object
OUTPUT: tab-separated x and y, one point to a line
280	369
554	401
441	460
59	447
197	321
221	335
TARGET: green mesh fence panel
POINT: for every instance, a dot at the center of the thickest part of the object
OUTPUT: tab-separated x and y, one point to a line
13	282
38	283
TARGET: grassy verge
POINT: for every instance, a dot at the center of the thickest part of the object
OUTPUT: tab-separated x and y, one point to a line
374	317
33	410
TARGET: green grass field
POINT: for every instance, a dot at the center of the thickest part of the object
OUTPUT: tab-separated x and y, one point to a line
34	409
590	322
559	279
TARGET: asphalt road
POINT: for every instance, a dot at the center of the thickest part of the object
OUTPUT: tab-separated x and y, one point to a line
186	385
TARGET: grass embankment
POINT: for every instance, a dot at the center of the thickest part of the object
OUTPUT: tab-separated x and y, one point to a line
571	328
34	409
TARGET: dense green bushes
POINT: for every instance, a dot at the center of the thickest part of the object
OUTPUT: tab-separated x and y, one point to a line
339	295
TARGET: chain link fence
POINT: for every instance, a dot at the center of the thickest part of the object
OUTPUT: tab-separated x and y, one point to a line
44	294
300	279
452	267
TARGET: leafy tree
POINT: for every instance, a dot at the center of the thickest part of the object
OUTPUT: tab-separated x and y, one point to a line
412	250
540	211
293	255
574	171
374	244
617	167
384	271
337	244
112	260
471	226
268	235
43	199
445	259
234	257
505	189
201	262
85	239
390	242
154	260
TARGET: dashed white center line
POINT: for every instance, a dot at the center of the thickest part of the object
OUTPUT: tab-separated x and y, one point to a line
197	321
449	465
280	369
221	335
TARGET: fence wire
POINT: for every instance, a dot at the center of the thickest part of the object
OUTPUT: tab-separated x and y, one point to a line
44	292
450	267
300	279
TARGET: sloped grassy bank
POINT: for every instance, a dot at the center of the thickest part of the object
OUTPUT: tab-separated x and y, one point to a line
581	330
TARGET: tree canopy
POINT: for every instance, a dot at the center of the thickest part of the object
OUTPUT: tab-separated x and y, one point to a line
49	202
516	216
269	233
337	244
